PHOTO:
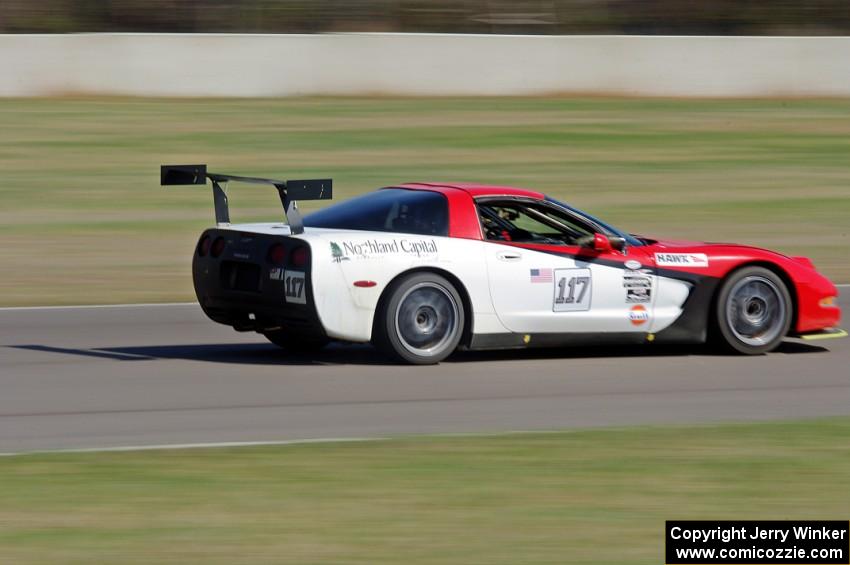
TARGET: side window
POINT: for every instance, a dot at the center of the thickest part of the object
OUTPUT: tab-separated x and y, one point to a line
526	222
400	210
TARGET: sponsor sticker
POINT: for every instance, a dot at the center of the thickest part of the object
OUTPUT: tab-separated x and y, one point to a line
638	287
638	295
638	315
276	274
372	248
681	259
540	275
632	280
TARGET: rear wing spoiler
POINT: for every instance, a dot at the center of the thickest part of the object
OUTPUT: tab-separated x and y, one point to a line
289	190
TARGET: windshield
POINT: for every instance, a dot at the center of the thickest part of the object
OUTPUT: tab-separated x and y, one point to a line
419	212
630	239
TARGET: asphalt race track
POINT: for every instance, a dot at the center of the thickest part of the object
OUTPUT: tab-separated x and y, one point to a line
164	374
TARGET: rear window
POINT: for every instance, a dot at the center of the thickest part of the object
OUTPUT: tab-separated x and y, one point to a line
418	212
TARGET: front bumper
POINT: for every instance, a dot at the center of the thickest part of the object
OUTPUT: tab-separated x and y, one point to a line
813	313
828	333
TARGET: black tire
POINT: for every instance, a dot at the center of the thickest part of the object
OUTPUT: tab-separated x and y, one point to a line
296	343
753	311
420	319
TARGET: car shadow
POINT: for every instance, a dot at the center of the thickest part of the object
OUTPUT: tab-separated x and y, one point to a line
228	353
648	350
363	354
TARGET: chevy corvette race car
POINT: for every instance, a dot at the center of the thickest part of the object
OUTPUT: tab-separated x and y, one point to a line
424	268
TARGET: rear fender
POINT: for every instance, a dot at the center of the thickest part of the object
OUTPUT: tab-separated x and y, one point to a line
353	269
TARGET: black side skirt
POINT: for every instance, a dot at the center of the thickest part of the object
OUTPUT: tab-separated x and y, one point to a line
522	341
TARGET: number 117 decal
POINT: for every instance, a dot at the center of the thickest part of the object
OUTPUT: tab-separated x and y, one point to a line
572	290
294	282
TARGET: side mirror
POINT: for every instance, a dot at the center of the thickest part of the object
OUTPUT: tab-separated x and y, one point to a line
602	243
618	243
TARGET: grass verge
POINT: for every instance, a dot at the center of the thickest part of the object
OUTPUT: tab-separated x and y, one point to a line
83	219
567	497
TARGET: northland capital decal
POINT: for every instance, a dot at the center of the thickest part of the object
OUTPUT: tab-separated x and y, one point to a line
373	247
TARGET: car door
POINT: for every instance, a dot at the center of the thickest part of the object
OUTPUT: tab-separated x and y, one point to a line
542	280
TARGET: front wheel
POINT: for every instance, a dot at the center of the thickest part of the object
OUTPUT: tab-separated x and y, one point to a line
753	311
421	319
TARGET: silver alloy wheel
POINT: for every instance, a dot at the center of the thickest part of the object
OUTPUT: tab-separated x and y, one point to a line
755	310
426	320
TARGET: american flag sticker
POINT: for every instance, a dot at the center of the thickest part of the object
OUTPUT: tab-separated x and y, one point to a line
541	275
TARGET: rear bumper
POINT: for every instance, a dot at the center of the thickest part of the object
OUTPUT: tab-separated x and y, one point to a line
242	289
258	316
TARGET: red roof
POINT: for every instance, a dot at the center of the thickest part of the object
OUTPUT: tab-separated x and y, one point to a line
474	189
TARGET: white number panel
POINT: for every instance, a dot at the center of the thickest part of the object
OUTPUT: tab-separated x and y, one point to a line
573	290
294	281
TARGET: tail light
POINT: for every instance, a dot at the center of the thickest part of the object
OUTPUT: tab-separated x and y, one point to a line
217	247
299	257
277	254
204	246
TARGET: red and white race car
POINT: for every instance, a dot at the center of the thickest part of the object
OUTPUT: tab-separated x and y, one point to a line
422	269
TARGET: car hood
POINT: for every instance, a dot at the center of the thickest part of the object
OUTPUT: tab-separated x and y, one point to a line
751	251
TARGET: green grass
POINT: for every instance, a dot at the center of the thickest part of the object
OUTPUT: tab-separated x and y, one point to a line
567	497
83	219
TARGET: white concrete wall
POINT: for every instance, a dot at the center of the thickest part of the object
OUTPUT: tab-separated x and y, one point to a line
346	64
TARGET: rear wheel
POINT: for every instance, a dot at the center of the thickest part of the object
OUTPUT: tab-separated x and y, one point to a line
753	311
421	320
296	343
